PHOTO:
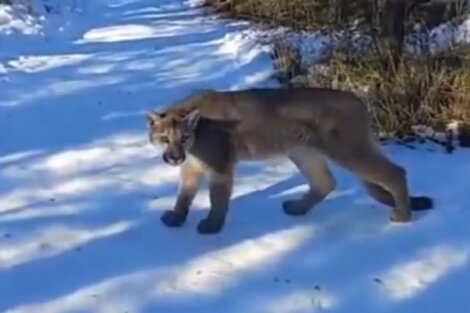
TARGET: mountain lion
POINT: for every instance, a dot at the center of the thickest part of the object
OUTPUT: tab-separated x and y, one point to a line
210	131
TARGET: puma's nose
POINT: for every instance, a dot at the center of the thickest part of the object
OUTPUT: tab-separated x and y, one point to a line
173	159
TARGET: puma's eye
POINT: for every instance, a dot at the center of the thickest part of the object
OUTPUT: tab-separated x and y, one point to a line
164	139
184	138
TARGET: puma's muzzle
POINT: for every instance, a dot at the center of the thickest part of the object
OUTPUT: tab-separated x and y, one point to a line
174	156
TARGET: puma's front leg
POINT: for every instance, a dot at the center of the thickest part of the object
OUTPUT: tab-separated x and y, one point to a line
190	175
220	191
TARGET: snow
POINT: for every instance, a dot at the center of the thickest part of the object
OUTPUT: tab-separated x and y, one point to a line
313	47
16	20
81	190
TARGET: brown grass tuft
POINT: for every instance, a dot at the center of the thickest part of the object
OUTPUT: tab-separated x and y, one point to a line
424	89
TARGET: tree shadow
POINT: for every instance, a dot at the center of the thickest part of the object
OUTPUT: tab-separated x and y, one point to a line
147	244
72	83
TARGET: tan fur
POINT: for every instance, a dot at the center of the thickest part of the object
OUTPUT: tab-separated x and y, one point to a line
210	131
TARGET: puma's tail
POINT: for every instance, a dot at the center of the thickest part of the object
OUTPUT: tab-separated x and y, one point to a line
421	203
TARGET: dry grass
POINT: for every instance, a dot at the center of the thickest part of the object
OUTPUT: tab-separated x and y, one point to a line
430	90
425	89
328	15
297	14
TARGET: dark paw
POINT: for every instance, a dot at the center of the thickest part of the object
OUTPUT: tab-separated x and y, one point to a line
400	216
173	219
207	227
294	207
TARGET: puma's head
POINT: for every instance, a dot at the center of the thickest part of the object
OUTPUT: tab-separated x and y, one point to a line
174	131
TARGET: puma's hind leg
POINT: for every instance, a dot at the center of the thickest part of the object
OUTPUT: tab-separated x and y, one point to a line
386	181
381	195
378	193
313	167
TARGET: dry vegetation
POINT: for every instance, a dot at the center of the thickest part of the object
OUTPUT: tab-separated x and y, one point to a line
326	15
428	88
422	90
296	14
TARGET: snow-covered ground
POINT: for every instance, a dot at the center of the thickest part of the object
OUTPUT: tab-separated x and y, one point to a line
81	191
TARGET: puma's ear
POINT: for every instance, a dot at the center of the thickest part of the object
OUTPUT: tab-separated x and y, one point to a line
154	118
192	118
